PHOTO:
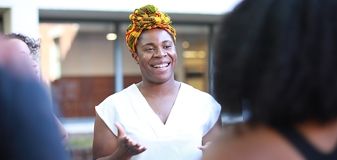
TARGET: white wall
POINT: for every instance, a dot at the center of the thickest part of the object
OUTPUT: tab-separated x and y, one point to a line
23	15
20	16
92	54
172	6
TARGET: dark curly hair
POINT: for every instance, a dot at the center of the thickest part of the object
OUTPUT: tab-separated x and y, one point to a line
33	44
279	58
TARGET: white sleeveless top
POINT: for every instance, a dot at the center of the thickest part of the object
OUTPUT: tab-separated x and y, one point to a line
193	114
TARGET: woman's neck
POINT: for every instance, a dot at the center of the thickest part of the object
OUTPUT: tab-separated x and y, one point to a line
158	88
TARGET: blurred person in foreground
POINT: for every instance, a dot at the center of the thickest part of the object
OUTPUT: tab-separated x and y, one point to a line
27	127
158	118
21	57
278	57
22	47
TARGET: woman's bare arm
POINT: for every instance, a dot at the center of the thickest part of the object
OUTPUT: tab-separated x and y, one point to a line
107	146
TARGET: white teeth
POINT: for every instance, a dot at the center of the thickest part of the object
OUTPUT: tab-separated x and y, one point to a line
161	65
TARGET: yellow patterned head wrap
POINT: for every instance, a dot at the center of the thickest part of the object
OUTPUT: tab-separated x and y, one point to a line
146	18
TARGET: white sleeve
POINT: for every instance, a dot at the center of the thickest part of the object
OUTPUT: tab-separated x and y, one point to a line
108	113
213	110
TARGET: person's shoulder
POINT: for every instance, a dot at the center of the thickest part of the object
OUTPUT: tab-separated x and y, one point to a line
117	97
194	91
242	141
199	97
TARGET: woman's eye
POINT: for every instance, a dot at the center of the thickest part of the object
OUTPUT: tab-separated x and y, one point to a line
167	47
149	49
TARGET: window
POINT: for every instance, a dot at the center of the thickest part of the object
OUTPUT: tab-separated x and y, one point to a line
193	50
77	60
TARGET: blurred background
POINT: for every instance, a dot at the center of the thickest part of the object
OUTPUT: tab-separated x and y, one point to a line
84	59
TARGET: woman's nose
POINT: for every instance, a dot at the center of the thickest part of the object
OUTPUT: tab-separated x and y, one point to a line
160	53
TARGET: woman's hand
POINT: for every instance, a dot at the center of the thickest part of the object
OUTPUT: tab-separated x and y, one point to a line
108	146
127	147
205	146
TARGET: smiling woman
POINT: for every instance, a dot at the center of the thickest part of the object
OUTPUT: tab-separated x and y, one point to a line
153	119
156	56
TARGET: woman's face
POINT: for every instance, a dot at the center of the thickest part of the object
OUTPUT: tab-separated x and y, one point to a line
156	56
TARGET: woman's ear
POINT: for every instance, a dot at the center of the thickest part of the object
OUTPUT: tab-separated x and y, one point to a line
135	57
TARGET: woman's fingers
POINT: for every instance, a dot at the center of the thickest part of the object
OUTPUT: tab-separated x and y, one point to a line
120	129
127	143
204	147
141	149
133	147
